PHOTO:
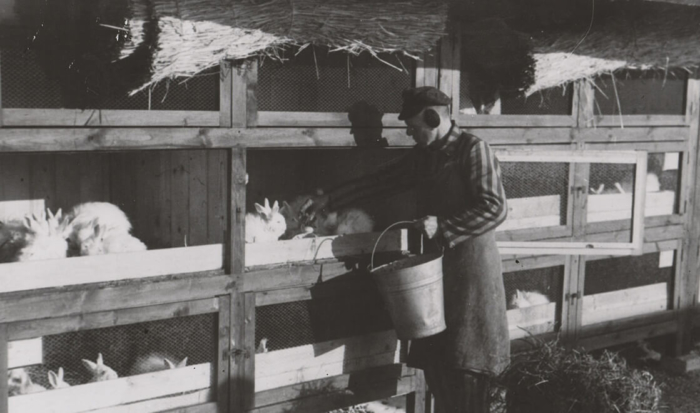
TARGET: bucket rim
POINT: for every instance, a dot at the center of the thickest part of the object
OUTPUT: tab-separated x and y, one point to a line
426	258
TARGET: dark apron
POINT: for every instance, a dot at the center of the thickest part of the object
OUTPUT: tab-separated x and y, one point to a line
477	337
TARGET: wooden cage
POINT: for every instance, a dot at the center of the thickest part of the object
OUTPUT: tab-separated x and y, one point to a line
181	176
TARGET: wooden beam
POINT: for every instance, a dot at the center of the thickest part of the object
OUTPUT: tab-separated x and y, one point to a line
87	321
115	139
688	294
22	353
242	374
21	276
234	261
620	335
251	79
4	406
225	90
224	348
318	120
114	118
583	103
629	302
239	94
192	400
2	123
514	121
640	120
31	305
211	407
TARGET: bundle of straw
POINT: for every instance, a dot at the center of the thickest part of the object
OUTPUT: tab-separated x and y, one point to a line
631	35
196	34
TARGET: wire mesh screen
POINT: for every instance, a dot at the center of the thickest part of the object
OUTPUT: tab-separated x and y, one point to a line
611	188
25	84
316	80
533	286
641	92
663	183
620	273
299	323
126	348
536	193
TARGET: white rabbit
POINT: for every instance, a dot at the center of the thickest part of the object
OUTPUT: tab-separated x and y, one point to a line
155	361
56	380
19	382
522	299
44	238
344	221
268	224
105	241
627	184
99	370
83	218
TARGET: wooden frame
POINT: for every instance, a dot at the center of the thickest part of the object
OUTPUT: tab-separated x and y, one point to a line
639	159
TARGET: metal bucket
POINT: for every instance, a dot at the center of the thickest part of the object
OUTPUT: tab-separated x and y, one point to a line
413	294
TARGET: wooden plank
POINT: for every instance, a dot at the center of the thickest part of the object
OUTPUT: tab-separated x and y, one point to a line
85	139
251	78
32	275
649	247
2	116
291	276
116	392
201	408
31	305
101	117
666	146
417	401
336	399
319	248
527	234
216	196
42	189
318	119
590	343
239	94
673	222
431	68
248	367
235	254
315	361
224	345
22	353
529	321
225	89
530	263
611	207
318	387
88	321
583	104
4	406
514	121
198	401
197	219
15	202
577	156
180	201
640	120
625	303
690	207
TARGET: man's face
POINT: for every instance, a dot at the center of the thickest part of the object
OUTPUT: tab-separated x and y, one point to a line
421	133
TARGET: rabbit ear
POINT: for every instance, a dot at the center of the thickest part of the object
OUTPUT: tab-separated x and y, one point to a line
60	373
90	365
182	363
285	205
267	204
100	230
260	209
53	379
275	207
169	364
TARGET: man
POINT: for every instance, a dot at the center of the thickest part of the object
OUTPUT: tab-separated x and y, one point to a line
461	192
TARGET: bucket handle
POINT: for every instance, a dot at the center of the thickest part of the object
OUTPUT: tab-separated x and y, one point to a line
371	265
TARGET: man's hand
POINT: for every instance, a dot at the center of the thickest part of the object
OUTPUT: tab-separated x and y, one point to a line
428	225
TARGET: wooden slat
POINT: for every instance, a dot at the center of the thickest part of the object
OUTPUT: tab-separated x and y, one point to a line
197	219
321	386
251	79
588	156
417	401
86	139
239	94
530	263
583	104
58	325
625	303
225	89
318	119
24	352
97	117
665	146
199	401
235	254
319	248
4	408
2	116
33	305
201	408
529	321
216	196
116	392
514	121
31	275
621	335
528	234
315	361
223	366
336	399
180	201
640	120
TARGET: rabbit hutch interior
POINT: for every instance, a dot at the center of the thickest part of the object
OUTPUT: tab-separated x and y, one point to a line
155	156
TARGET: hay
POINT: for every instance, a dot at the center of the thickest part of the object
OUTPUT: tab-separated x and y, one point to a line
552	379
636	35
194	35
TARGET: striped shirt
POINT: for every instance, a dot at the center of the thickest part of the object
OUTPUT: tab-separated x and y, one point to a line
478	168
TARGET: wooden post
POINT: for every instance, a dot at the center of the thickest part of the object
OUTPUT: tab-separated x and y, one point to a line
251	79
3	368
1	122
583	105
223	355
239	95
225	89
418	400
235	231
690	208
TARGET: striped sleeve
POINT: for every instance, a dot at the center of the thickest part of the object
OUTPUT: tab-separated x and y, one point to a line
489	208
394	177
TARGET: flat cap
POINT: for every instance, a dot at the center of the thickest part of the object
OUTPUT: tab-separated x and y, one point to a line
419	98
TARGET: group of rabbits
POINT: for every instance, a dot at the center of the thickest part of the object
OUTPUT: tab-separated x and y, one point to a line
91	228
271	223
19	382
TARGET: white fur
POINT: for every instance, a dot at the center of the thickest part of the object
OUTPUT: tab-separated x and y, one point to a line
56	380
344	221
19	382
522	299
267	224
155	361
83	219
99	370
104	241
37	237
626	186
